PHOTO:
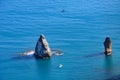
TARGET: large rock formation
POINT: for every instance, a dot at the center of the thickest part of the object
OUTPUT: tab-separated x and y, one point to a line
108	46
42	49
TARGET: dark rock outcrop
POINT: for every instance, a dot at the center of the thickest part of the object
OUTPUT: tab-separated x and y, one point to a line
108	46
42	49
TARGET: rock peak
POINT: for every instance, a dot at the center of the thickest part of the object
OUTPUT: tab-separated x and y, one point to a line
42	49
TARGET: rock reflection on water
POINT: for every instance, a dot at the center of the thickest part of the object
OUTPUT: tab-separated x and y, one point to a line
43	68
108	64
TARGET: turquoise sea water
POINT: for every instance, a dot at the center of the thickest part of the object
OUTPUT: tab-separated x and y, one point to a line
77	27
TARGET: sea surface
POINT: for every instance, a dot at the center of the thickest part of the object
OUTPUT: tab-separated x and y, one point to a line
76	27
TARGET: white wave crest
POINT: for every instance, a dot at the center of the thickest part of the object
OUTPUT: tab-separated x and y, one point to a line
29	52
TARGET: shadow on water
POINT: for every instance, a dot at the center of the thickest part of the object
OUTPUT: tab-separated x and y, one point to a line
25	55
95	54
19	57
43	68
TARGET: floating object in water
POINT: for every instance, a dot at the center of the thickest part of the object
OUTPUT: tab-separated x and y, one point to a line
60	66
108	46
42	49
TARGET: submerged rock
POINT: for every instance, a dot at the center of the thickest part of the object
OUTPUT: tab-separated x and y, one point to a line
108	46
42	49
63	10
114	78
57	52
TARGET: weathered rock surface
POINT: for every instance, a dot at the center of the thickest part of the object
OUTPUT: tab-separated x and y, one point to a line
42	49
108	46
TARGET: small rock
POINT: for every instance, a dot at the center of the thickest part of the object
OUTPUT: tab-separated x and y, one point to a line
108	46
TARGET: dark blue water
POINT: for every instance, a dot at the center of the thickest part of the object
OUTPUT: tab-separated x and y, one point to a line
77	27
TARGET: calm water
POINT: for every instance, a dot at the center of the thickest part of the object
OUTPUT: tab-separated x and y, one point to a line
77	27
